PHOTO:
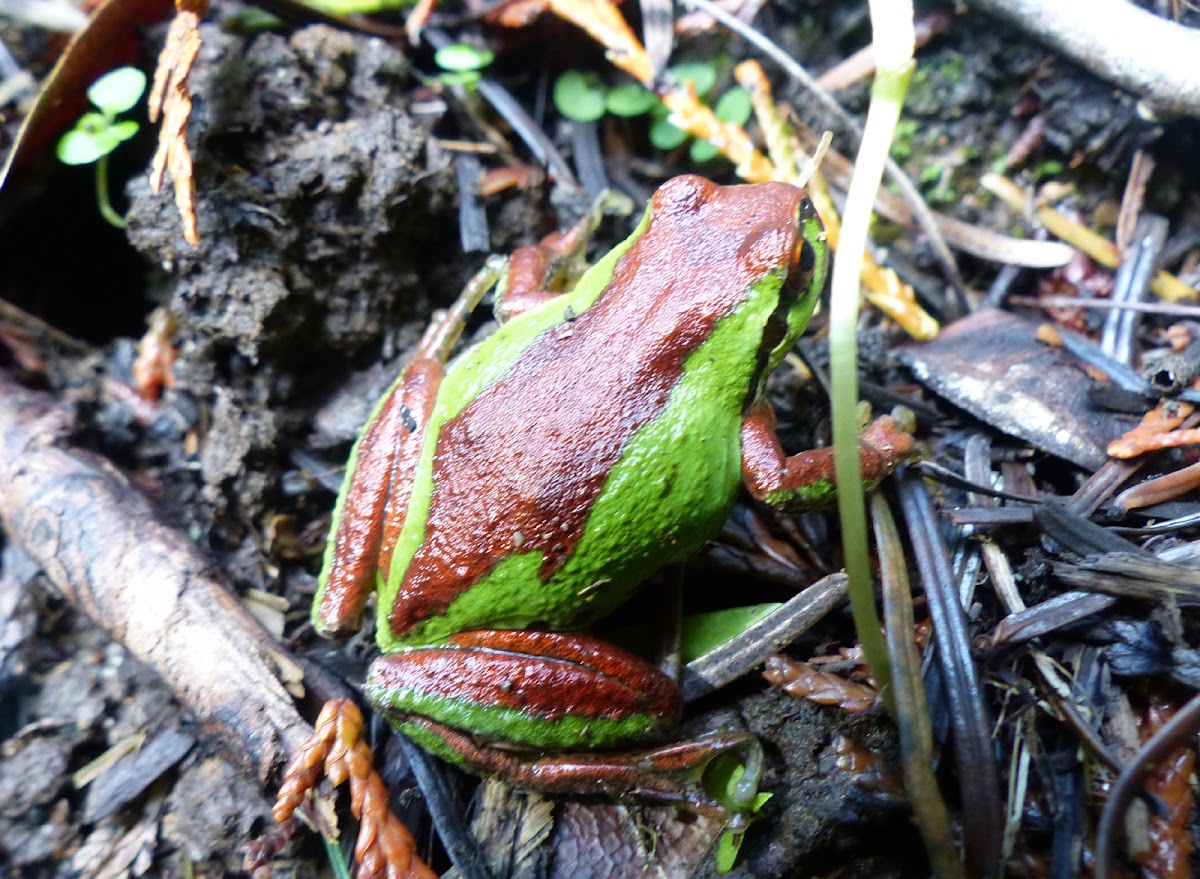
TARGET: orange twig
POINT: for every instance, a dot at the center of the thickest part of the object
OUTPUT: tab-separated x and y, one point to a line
384	848
1156	431
1099	248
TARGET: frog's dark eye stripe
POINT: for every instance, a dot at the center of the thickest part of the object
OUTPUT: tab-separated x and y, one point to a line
806	259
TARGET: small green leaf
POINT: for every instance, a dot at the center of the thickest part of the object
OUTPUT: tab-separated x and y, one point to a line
580	95
358	7
124	129
728	847
118	90
630	99
666	136
720	778
701	74
731	841
1049	168
92	122
84	147
704	631
702	151
461	57
466	78
250	20
734	106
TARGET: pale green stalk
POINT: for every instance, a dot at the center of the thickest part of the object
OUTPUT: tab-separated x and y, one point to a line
892	29
106	209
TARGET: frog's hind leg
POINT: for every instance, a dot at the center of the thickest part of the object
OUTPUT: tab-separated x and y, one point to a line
374	499
538	273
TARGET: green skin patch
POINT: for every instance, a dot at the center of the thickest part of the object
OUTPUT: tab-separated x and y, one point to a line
514	725
817	494
516	597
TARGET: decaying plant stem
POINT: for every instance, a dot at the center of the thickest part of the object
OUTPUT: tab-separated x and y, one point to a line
105	549
1150	56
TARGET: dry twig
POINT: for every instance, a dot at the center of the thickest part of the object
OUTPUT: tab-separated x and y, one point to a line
104	547
1147	55
169	95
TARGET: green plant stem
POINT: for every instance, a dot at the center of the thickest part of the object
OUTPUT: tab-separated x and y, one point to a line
106	209
892	29
912	715
336	859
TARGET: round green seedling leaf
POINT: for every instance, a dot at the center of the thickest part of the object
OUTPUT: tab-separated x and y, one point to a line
666	136
79	147
630	99
465	78
93	122
701	74
580	95
463	57
702	151
734	106
123	130
118	90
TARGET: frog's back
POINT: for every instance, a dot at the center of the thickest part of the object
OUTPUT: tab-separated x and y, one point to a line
603	445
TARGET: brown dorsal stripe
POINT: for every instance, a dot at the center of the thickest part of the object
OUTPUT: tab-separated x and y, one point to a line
522	464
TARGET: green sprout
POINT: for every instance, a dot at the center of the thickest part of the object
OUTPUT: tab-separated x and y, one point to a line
733	106
630	99
461	63
97	134
580	95
721	779
585	97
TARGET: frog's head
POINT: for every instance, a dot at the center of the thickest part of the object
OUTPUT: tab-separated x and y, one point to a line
757	250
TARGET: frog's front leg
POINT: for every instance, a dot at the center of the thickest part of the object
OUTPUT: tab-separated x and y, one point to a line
554	712
805	480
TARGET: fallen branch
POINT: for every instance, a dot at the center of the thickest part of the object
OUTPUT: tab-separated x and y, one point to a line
103	546
1142	53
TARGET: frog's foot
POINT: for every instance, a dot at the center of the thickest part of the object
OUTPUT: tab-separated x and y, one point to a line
384	847
671	774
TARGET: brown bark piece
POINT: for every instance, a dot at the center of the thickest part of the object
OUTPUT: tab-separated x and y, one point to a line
169	95
103	547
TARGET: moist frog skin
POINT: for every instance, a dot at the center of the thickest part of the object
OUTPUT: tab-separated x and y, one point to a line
499	503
